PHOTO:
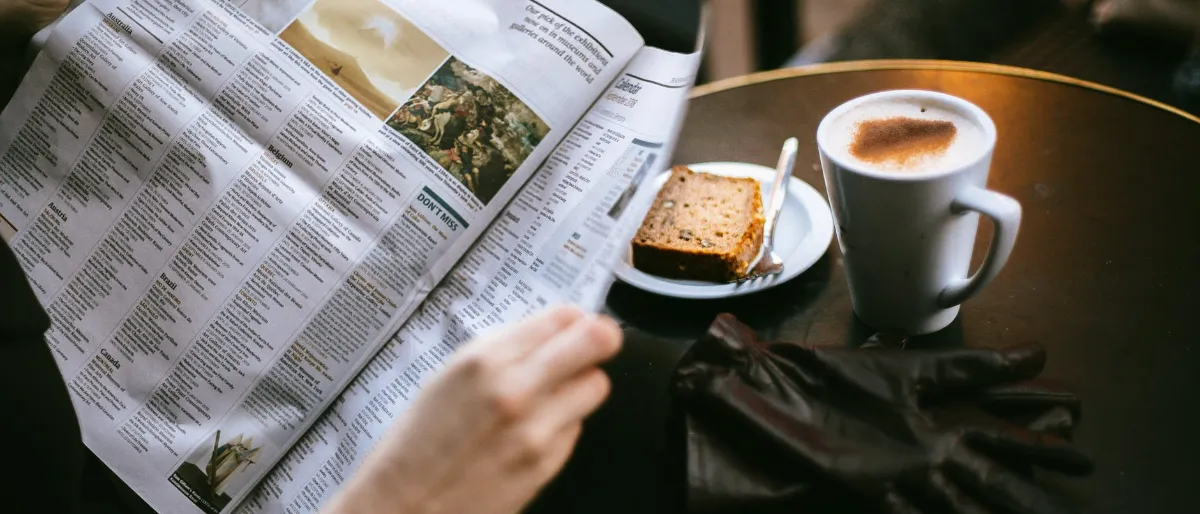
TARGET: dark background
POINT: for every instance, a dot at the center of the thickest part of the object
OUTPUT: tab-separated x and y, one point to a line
1037	34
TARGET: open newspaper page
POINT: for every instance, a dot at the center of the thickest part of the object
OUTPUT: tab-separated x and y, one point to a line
555	243
225	221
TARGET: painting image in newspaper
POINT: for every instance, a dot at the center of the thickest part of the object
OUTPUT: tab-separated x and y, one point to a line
366	48
473	126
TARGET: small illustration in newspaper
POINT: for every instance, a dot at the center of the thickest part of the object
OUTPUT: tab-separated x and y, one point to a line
207	475
473	126
648	159
367	48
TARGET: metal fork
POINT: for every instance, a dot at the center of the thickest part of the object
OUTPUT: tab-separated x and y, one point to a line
767	263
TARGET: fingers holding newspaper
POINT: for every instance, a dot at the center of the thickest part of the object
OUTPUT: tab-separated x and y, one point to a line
21	18
495	426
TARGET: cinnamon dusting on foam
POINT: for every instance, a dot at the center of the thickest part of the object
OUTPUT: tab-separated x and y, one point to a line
901	141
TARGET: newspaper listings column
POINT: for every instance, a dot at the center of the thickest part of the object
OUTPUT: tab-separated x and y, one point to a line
149	186
253	269
575	263
327	271
334	446
71	169
208	208
582	187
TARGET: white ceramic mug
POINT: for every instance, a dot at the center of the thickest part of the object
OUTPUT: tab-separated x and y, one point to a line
907	237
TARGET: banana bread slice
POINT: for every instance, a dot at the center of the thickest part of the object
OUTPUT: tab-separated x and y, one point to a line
701	227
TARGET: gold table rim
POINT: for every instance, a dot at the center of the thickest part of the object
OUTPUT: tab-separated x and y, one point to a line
922	65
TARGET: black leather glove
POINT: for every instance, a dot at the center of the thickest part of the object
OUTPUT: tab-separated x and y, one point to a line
780	427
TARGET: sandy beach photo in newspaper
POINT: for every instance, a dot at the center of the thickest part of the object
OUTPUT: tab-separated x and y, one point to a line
473	126
366	48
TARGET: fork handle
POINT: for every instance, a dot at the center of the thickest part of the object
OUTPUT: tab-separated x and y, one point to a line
783	170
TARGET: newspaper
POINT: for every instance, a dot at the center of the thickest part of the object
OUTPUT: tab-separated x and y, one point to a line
552	245
229	209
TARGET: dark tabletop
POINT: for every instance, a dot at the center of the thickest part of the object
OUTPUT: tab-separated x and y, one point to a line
1105	275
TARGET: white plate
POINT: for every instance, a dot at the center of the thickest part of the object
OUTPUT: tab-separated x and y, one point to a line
803	235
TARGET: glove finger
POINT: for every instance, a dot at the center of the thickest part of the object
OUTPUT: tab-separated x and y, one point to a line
1058	421
1040	392
1021	445
1022	403
894	503
951	497
996	486
926	375
946	371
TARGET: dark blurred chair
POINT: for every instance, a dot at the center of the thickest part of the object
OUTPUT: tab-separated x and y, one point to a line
667	24
1133	61
753	35
1043	35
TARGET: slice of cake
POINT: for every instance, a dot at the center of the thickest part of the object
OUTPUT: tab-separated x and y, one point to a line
701	227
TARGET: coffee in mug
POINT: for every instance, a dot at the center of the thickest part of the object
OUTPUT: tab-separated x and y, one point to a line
905	136
906	173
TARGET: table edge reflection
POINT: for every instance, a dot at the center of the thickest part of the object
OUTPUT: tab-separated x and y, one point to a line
923	65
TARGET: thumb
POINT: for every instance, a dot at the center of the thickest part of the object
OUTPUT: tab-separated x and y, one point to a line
20	19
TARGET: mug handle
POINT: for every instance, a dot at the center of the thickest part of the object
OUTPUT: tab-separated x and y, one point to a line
1005	213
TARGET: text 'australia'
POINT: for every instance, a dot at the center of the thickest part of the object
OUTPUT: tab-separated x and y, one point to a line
117	24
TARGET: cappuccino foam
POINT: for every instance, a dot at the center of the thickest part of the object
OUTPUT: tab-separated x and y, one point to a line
904	135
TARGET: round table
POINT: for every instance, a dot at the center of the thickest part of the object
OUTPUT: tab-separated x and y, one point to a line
1106	275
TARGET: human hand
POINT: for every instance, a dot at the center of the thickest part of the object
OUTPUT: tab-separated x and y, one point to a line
486	434
885	430
19	21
